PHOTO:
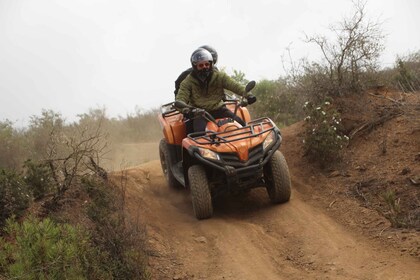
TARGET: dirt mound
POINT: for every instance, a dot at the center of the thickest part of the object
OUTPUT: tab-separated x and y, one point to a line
375	189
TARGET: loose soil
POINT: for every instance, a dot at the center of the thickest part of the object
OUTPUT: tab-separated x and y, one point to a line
334	226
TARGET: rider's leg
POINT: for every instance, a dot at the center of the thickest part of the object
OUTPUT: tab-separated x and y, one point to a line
199	124
224	112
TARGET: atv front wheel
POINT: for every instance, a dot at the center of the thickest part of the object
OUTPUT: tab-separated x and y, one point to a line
165	161
277	177
200	192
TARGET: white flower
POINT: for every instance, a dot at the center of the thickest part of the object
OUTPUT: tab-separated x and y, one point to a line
339	137
318	108
323	113
334	128
327	103
346	137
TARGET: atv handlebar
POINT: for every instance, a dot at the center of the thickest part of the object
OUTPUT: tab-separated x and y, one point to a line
243	102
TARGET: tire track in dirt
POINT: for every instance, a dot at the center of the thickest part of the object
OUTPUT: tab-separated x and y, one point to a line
249	238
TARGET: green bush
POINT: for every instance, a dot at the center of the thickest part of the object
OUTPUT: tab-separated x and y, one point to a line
276	102
14	195
323	138
394	214
13	146
39	179
46	250
408	76
121	242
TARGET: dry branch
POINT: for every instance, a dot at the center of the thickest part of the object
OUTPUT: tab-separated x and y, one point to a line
369	126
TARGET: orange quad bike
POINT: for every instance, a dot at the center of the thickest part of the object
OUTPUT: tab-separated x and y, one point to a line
225	159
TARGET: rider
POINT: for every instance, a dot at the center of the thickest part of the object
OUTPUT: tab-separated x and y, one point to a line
189	70
204	88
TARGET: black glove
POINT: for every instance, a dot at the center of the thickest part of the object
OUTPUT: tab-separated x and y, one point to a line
197	111
251	99
185	111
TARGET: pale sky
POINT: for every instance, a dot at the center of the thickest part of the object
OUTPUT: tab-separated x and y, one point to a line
72	55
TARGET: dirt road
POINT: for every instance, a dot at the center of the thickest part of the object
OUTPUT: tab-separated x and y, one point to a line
249	238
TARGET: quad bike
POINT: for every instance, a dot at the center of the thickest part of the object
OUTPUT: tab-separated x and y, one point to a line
227	158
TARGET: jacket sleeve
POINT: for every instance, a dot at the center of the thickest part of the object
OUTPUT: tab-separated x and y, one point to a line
180	79
184	91
232	85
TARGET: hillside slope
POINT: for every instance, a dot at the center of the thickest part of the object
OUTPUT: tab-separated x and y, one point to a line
332	228
380	171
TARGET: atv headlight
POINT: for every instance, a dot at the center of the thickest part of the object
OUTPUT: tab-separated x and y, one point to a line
269	140
206	153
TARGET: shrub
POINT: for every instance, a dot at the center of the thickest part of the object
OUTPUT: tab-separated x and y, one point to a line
44	132
14	195
120	241
39	179
276	101
408	77
353	53
12	148
323	138
394	214
46	250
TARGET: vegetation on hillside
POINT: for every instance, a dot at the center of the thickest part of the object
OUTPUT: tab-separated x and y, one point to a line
51	167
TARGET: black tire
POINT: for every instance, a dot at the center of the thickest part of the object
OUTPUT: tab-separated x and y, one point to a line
277	177
166	162
200	192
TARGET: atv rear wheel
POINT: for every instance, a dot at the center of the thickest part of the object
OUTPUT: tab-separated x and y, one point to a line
166	162
277	177
200	192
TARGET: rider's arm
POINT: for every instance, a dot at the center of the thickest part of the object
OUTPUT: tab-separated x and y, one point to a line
180	79
232	85
184	92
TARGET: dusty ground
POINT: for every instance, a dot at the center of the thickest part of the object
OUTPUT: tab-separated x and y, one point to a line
332	228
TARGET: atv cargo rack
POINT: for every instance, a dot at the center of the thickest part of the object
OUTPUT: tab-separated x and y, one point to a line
252	129
169	109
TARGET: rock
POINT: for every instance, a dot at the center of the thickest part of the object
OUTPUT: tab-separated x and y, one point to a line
334	174
201	239
415	181
361	168
405	171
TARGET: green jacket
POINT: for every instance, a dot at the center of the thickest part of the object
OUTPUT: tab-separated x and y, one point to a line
208	96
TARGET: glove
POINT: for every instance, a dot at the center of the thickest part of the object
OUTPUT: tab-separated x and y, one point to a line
185	111
251	99
197	111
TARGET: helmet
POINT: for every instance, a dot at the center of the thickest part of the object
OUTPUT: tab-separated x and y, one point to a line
200	55
212	51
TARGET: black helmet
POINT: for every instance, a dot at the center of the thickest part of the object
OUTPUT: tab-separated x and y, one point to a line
199	55
212	51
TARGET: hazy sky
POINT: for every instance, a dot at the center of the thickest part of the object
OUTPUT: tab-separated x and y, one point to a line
72	55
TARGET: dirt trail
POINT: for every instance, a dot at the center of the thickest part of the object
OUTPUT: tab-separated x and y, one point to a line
249	238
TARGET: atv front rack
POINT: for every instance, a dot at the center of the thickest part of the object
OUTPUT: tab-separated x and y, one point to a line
252	129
